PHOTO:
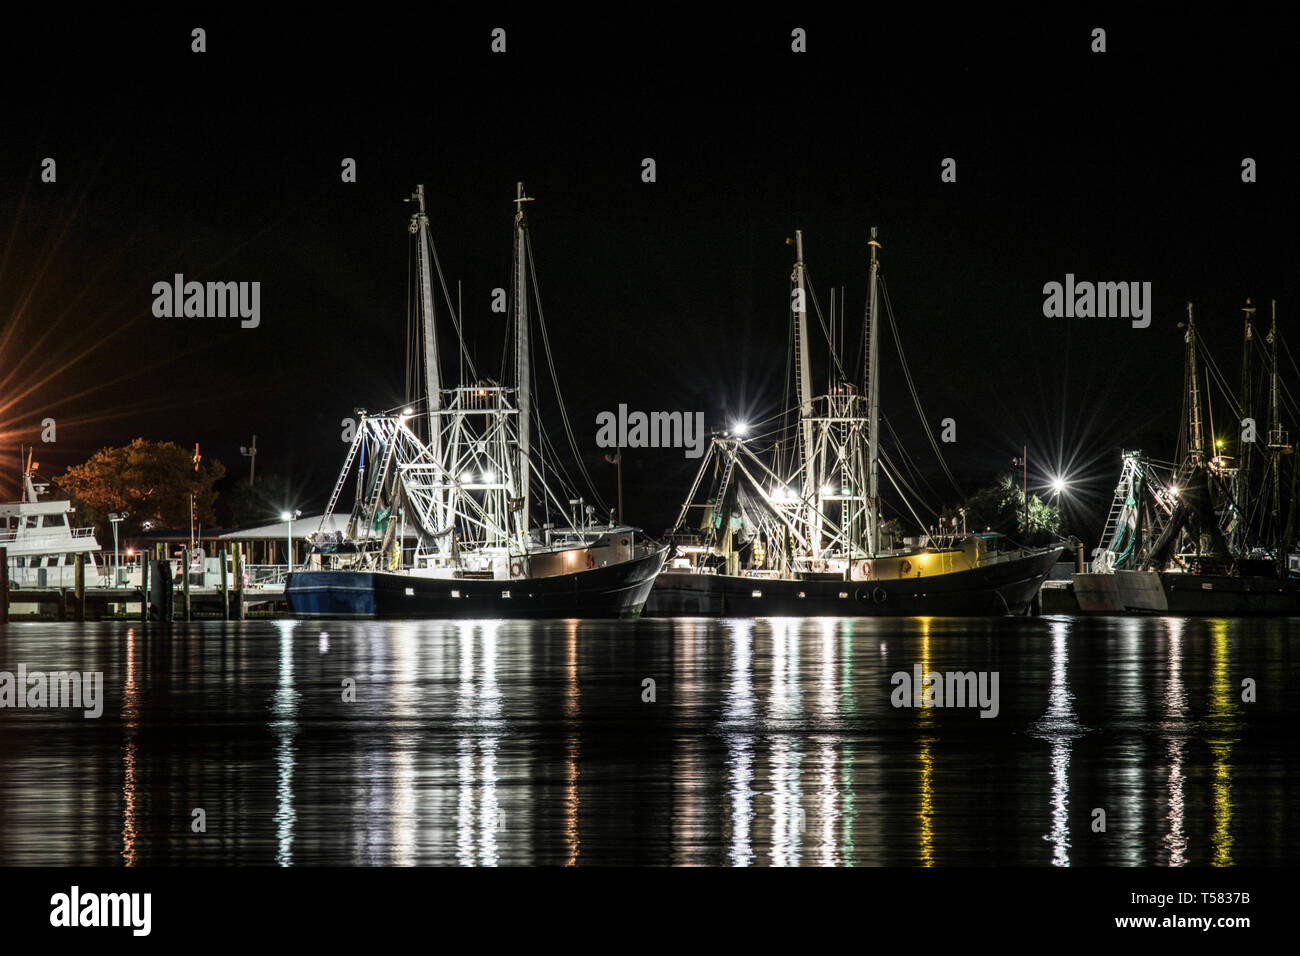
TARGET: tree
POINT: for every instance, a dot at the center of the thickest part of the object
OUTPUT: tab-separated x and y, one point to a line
1000	507
151	480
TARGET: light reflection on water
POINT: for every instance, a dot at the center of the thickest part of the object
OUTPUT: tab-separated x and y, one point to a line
767	742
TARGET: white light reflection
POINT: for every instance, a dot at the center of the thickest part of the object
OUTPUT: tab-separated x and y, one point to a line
478	708
404	643
284	707
690	794
1060	725
1133	699
788	818
738	712
1175	725
828	714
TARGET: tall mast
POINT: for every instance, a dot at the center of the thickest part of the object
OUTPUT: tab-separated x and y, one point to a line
1276	440
432	382
1243	465
522	360
419	227
872	367
1195	439
803	395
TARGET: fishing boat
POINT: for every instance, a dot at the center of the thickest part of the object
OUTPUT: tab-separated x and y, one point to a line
41	541
1203	534
803	533
499	530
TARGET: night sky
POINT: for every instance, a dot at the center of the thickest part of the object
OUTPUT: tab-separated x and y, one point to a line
1122	166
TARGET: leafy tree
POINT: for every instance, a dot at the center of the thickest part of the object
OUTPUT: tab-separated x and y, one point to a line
1001	507
151	480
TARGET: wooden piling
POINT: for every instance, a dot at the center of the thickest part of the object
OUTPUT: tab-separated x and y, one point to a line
239	582
144	589
185	560
79	577
225	593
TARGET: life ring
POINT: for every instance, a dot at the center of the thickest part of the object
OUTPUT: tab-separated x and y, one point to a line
905	567
516	569
879	596
864	569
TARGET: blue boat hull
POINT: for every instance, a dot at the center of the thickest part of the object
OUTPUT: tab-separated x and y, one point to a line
618	590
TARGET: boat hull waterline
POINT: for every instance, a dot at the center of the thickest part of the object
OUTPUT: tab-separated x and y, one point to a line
1195	595
1008	587
618	590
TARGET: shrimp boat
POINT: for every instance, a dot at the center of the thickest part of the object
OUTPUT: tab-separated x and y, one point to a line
1204	534
40	540
461	470
805	536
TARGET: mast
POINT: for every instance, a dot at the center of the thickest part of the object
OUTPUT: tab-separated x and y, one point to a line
1243	465
1195	439
522	360
803	396
1276	440
419	227
432	380
872	367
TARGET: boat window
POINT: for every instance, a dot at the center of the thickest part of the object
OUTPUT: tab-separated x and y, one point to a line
53	521
32	521
52	561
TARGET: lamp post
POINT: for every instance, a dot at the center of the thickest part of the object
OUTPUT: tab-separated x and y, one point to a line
116	518
250	452
288	517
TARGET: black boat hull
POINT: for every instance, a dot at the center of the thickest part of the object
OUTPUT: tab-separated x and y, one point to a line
999	589
618	590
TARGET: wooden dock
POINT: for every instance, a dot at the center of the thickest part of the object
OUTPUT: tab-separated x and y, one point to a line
157	598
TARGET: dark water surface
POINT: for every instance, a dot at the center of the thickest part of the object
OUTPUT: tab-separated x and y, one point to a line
768	742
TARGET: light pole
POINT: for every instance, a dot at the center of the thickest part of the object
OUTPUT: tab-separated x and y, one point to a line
116	518
288	538
250	452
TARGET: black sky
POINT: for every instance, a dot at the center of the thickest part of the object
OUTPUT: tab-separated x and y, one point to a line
672	295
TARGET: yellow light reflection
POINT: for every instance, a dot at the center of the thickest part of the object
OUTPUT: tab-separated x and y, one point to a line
1222	714
130	719
572	841
925	809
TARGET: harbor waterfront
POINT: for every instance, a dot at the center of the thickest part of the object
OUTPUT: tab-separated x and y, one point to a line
731	742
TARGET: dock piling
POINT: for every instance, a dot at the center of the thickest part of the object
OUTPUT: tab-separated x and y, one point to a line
225	592
79	585
185	562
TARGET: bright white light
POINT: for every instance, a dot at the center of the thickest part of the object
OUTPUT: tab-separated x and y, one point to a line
741	429
1058	485
285	516
489	477
827	491
1173	491
405	412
